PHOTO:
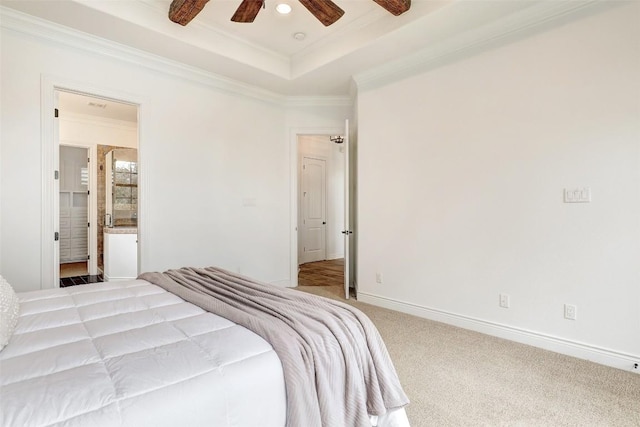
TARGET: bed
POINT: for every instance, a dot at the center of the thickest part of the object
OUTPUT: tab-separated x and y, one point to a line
134	354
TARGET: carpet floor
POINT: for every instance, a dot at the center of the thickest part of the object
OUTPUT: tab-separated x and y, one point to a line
456	377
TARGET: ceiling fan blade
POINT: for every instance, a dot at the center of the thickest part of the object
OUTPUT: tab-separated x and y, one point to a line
396	7
247	11
326	11
183	11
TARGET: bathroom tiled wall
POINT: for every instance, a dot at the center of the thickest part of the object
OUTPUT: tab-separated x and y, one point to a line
102	151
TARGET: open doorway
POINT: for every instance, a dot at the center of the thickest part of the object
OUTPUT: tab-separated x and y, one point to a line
321	211
88	128
74	213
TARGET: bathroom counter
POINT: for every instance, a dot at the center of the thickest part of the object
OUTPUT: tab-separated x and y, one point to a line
121	230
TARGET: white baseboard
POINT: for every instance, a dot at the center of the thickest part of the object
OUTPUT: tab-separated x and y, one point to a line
286	283
335	256
117	279
559	345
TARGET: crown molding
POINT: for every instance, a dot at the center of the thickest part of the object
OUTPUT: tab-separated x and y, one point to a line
318	101
160	8
474	40
38	28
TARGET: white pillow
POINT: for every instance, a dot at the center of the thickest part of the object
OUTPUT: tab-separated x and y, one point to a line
9	310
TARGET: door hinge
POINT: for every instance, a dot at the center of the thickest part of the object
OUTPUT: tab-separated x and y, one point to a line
55	112
88	224
56	175
56	236
88	257
88	192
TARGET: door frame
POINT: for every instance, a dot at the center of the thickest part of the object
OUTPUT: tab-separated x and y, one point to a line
50	143
294	209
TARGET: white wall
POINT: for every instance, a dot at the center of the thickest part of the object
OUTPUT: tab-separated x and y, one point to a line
460	189
203	151
321	147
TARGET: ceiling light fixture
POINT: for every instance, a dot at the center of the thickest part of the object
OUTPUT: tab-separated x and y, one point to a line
283	8
299	36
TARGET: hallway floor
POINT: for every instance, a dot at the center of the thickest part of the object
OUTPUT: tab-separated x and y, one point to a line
322	273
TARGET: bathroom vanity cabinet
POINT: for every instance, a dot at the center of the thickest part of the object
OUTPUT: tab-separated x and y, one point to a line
120	254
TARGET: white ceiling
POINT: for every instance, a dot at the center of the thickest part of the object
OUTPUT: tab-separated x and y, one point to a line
264	53
73	103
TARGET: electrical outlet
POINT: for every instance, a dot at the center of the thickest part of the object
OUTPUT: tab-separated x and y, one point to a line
570	312
504	301
379	278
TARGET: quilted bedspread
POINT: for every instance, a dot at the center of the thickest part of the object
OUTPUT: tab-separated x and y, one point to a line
132	354
337	370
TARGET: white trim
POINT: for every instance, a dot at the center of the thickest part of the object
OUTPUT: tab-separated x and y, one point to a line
117	279
35	27
317	101
472	41
49	249
580	350
215	33
285	283
49	270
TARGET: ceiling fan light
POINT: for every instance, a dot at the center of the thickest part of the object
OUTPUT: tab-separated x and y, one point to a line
283	8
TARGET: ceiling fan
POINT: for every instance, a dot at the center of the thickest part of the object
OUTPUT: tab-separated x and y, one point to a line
326	11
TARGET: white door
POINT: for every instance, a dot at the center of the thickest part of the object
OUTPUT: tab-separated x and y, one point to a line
348	271
108	186
314	201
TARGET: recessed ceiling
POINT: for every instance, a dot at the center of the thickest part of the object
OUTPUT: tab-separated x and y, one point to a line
265	53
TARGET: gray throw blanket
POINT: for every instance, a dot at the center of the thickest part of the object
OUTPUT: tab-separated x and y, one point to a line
336	368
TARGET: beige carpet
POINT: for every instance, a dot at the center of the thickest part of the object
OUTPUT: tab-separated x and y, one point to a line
456	377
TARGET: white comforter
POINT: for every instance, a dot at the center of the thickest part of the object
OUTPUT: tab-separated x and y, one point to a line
133	354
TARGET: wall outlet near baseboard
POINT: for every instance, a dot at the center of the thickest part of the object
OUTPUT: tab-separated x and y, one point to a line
379	278
570	312
505	301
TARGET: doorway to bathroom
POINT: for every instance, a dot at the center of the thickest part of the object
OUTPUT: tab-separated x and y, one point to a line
74	213
90	129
